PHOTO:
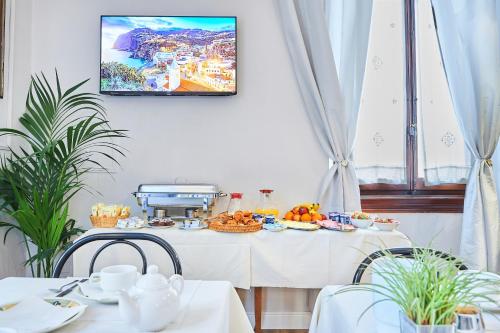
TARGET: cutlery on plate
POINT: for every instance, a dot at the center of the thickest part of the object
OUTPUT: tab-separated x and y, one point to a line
61	288
70	289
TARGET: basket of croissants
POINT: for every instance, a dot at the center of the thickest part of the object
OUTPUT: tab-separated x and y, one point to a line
240	221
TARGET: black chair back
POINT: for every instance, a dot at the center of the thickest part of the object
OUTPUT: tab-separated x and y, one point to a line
403	252
118	238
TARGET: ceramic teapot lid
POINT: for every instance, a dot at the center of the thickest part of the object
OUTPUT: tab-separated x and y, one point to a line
152	279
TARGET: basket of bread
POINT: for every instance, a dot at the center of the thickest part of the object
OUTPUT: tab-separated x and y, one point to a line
106	216
240	221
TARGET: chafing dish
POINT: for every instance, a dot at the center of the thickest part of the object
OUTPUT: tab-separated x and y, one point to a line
178	196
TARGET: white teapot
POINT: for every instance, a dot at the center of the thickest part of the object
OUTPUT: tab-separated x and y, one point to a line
156	303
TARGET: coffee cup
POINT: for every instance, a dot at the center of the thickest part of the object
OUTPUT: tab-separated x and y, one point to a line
115	278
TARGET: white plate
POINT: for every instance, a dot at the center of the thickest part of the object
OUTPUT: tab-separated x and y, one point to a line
201	226
275	227
51	300
130	228
160	226
92	292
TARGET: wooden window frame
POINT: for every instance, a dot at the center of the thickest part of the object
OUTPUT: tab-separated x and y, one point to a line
413	196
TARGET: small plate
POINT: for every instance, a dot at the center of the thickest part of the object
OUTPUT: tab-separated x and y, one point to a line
160	226
275	227
55	301
200	227
92	292
130	228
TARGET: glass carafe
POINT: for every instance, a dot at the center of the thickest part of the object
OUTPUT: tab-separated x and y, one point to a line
266	204
234	203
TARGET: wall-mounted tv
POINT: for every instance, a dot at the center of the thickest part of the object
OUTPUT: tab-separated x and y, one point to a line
168	55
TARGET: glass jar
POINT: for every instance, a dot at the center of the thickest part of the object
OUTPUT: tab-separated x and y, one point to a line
266	204
234	203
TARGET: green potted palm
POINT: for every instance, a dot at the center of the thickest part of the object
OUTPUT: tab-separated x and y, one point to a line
64	136
429	291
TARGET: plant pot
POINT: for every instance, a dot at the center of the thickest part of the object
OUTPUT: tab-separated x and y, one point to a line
408	326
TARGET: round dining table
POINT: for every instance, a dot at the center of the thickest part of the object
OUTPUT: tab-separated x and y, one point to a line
342	312
206	307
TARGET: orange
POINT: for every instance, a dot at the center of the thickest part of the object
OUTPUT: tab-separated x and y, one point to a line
296	217
295	210
316	217
289	216
306	218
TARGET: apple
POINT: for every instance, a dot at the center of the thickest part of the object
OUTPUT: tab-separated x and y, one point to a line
323	217
303	210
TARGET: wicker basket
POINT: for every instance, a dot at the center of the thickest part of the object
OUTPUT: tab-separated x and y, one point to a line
235	228
106	221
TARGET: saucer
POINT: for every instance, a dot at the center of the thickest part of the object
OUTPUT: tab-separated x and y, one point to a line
92	291
201	226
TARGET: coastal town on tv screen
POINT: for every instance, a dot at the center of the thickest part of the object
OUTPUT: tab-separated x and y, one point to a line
168	54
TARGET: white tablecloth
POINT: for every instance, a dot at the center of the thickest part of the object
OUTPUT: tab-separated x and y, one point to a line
212	307
340	313
288	259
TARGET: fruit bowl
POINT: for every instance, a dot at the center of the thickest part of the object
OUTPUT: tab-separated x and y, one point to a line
305	212
362	223
386	224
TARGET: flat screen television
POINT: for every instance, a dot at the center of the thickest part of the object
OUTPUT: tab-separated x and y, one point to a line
168	55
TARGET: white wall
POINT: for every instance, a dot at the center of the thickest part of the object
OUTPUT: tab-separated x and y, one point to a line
260	137
17	60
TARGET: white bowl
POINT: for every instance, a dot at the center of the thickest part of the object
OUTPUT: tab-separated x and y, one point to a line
386	226
362	223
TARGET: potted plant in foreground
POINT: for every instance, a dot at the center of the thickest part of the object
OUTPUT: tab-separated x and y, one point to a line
64	136
428	290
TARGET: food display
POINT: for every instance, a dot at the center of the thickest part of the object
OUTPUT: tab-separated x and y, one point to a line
307	226
361	220
306	212
336	226
385	224
106	216
133	222
103	210
240	221
161	222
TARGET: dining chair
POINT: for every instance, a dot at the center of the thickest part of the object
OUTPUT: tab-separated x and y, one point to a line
402	252
118	238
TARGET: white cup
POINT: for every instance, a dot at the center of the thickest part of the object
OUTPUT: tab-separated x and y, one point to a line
114	278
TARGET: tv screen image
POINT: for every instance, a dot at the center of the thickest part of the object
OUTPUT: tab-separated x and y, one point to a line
168	55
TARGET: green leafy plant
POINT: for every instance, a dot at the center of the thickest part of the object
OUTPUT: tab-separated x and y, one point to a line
430	289
64	136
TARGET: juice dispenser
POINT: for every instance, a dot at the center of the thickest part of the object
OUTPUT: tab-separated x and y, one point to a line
266	204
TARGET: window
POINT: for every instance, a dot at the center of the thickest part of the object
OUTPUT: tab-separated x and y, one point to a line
409	153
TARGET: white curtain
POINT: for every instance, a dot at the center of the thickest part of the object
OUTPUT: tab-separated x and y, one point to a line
443	156
327	42
380	147
469	38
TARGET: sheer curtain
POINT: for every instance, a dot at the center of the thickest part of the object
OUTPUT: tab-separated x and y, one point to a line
469	38
327	42
443	156
380	147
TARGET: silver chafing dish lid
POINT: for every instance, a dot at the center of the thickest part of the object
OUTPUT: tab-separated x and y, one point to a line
179	188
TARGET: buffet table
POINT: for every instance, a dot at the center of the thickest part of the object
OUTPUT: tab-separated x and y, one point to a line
208	306
288	259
